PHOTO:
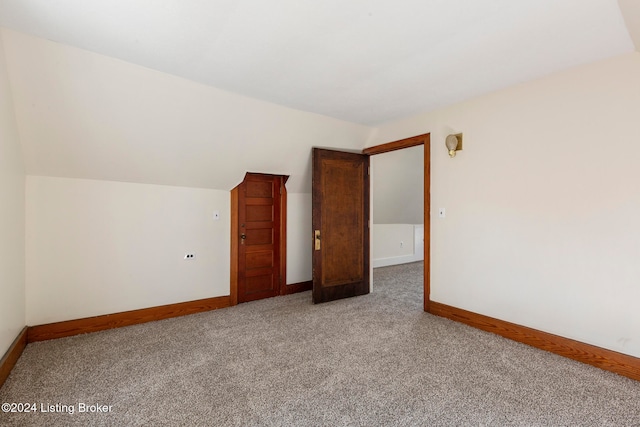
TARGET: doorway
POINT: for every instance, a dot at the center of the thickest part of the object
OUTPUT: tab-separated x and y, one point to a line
425	140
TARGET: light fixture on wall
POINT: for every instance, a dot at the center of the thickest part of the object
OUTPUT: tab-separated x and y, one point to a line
453	143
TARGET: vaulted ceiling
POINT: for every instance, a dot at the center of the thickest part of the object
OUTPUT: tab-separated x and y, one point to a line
195	93
363	61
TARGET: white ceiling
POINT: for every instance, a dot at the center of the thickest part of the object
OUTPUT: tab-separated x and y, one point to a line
363	61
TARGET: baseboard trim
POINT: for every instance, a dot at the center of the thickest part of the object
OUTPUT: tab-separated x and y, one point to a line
109	321
405	259
602	358
297	287
12	355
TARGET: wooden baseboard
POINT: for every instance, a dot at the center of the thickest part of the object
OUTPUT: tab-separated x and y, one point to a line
12	355
297	287
127	318
609	360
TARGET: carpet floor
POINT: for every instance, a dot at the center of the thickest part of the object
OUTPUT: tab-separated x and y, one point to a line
374	360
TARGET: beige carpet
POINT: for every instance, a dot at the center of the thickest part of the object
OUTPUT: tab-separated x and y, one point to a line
366	361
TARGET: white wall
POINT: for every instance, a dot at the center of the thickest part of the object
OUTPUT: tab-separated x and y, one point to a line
12	178
398	186
299	242
99	247
542	204
393	244
397	207
99	125
84	115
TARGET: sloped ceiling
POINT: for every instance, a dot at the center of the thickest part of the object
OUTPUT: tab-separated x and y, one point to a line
398	186
89	116
363	61
197	92
631	12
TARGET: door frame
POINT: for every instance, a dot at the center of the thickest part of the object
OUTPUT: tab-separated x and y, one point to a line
424	139
235	236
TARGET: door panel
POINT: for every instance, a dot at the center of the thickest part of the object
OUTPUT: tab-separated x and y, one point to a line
260	213
259	284
259	229
259	236
341	218
260	260
257	189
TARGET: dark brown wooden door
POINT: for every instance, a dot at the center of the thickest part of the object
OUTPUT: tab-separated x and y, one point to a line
340	225
259	237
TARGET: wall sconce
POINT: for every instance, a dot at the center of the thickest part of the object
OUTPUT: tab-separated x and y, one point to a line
453	143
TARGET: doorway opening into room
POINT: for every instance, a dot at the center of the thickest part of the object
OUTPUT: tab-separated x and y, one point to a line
395	220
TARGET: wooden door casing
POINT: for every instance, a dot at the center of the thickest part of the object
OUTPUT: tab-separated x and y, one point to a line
424	139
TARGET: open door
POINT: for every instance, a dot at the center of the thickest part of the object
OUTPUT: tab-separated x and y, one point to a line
340	225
